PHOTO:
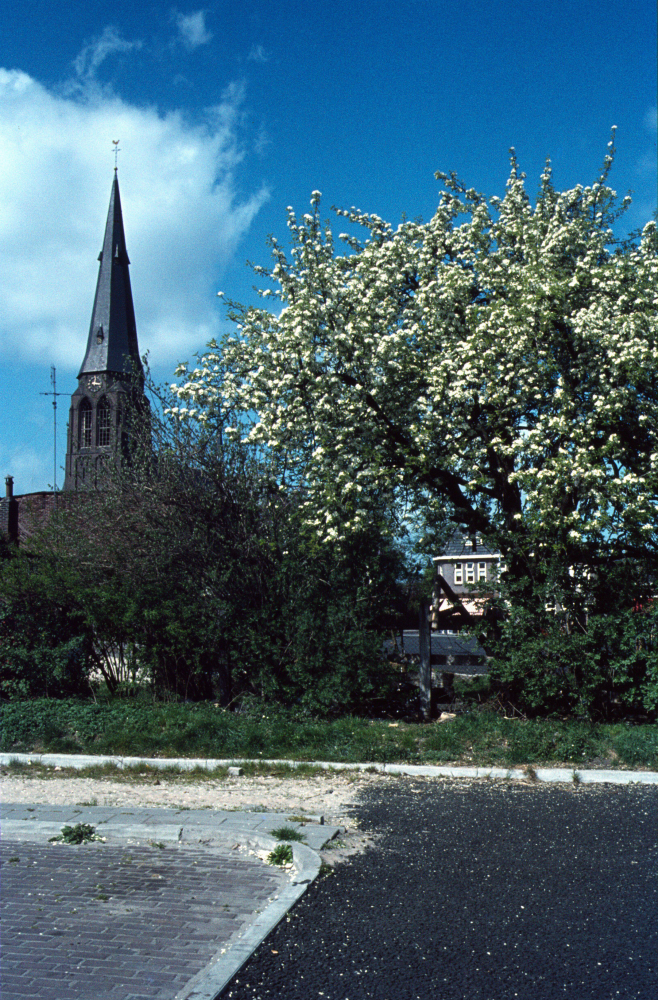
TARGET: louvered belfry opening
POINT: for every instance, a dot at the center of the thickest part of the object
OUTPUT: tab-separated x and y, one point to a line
85	414
103	423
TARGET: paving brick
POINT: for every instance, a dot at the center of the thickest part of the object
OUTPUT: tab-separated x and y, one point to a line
120	923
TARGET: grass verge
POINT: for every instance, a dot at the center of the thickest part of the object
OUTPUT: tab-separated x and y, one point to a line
204	730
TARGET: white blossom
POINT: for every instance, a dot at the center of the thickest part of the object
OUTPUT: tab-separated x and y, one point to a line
500	359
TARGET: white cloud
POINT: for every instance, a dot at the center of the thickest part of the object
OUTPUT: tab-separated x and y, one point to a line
651	120
96	52
258	54
192	29
182	219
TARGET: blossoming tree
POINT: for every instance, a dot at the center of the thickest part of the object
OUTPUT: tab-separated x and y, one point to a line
499	361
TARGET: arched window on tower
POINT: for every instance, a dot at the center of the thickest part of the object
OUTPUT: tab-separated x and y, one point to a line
84	424
103	422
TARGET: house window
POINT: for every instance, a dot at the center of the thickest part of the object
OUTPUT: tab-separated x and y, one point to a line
84	424
459	573
103	423
470	572
482	571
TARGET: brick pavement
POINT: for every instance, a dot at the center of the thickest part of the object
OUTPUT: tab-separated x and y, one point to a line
120	922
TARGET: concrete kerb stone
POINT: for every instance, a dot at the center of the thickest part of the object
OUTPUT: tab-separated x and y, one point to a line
209	983
548	774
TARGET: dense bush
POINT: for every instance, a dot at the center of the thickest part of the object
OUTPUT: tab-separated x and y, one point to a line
191	572
45	646
317	640
584	645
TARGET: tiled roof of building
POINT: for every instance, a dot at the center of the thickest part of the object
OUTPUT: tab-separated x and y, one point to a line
457	545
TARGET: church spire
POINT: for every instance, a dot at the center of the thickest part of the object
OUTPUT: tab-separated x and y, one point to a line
112	342
111	380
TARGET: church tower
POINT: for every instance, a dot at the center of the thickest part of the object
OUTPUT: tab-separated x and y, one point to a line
111	376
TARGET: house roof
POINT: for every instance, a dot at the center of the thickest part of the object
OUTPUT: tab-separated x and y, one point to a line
457	546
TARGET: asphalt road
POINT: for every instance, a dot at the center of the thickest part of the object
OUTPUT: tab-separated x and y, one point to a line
478	891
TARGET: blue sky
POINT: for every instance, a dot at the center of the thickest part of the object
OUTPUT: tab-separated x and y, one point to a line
230	112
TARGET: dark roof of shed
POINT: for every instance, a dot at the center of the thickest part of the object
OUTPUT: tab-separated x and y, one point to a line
441	645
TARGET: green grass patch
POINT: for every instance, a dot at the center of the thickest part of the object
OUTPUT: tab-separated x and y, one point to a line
203	730
288	833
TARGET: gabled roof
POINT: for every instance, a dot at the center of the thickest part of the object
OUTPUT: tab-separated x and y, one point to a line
457	546
112	342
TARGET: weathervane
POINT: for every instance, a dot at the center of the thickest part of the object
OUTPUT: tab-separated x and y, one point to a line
115	143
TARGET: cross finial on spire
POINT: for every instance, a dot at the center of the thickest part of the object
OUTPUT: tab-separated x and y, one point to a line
115	143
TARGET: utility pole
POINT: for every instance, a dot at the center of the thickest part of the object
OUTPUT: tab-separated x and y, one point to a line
53	392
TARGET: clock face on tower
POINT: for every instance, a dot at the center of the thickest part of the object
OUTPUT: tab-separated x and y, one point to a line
94	383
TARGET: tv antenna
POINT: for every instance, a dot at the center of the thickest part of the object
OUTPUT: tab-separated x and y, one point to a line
53	392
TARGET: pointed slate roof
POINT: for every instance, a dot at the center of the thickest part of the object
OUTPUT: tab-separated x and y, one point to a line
112	343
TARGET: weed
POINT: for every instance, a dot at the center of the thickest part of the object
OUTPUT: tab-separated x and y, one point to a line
306	770
81	833
575	777
157	843
14	860
281	855
17	766
91	802
101	771
530	773
326	869
288	833
297	819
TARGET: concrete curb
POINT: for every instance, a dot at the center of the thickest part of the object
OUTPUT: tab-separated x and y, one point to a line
19	830
549	774
209	983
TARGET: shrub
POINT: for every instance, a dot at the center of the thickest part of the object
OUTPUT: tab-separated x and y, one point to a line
45	646
587	648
